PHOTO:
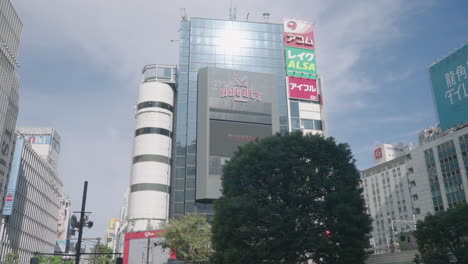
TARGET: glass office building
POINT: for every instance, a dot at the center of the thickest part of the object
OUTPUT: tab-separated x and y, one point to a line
244	46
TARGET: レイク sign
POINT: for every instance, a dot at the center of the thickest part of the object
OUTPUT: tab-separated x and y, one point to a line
300	63
298	34
302	88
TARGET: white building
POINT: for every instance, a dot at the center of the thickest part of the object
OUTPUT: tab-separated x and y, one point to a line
148	200
440	165
387	195
32	204
407	184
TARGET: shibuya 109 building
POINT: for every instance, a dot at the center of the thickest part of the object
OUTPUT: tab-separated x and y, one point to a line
235	82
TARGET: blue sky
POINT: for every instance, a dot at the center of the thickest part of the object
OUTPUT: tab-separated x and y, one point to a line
81	63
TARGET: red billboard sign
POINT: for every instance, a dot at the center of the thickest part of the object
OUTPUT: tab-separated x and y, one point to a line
299	34
378	153
136	245
302	88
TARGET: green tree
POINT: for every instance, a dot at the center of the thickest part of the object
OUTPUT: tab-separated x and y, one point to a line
52	260
443	238
190	237
290	198
103	259
12	258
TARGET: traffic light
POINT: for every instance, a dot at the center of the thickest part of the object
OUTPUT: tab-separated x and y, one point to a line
119	260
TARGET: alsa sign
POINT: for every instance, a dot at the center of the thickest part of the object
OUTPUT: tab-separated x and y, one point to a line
298	34
300	63
303	88
240	90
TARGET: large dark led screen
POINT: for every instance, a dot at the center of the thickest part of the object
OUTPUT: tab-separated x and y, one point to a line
227	136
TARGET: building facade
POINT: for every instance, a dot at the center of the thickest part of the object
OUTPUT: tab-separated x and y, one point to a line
242	50
32	204
439	177
10	34
404	188
110	239
45	141
152	149
388	196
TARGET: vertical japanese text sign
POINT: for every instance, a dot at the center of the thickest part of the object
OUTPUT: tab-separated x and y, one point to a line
450	87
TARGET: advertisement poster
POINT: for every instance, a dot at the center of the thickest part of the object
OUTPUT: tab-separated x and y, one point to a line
13	180
450	87
299	34
302	88
300	63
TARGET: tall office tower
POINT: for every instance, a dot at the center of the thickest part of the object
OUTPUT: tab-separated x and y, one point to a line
148	201
10	33
237	81
32	204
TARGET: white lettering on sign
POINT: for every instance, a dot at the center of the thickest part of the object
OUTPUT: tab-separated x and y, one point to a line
308	55
301	40
456	90
303	87
147	234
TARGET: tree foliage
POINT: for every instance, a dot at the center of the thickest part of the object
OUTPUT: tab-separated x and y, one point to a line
12	258
443	238
103	259
291	198
190	237
52	260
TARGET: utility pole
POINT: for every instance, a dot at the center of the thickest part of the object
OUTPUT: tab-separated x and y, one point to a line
80	229
147	251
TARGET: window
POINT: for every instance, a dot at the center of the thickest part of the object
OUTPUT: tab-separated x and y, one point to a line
295	123
294	109
318	124
307	123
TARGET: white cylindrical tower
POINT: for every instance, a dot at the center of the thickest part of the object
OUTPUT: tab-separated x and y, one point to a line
148	201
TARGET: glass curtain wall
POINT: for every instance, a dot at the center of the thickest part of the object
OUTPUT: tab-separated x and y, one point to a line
245	46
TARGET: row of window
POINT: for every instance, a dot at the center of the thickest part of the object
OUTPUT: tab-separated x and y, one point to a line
236	25
241	43
301	123
235	34
245	51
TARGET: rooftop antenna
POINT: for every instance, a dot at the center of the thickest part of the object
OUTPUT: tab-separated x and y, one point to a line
266	17
183	14
232	13
247	18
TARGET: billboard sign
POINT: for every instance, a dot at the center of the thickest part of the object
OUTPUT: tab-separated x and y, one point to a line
136	248
299	34
302	88
62	227
378	153
300	63
44	139
450	88
14	175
